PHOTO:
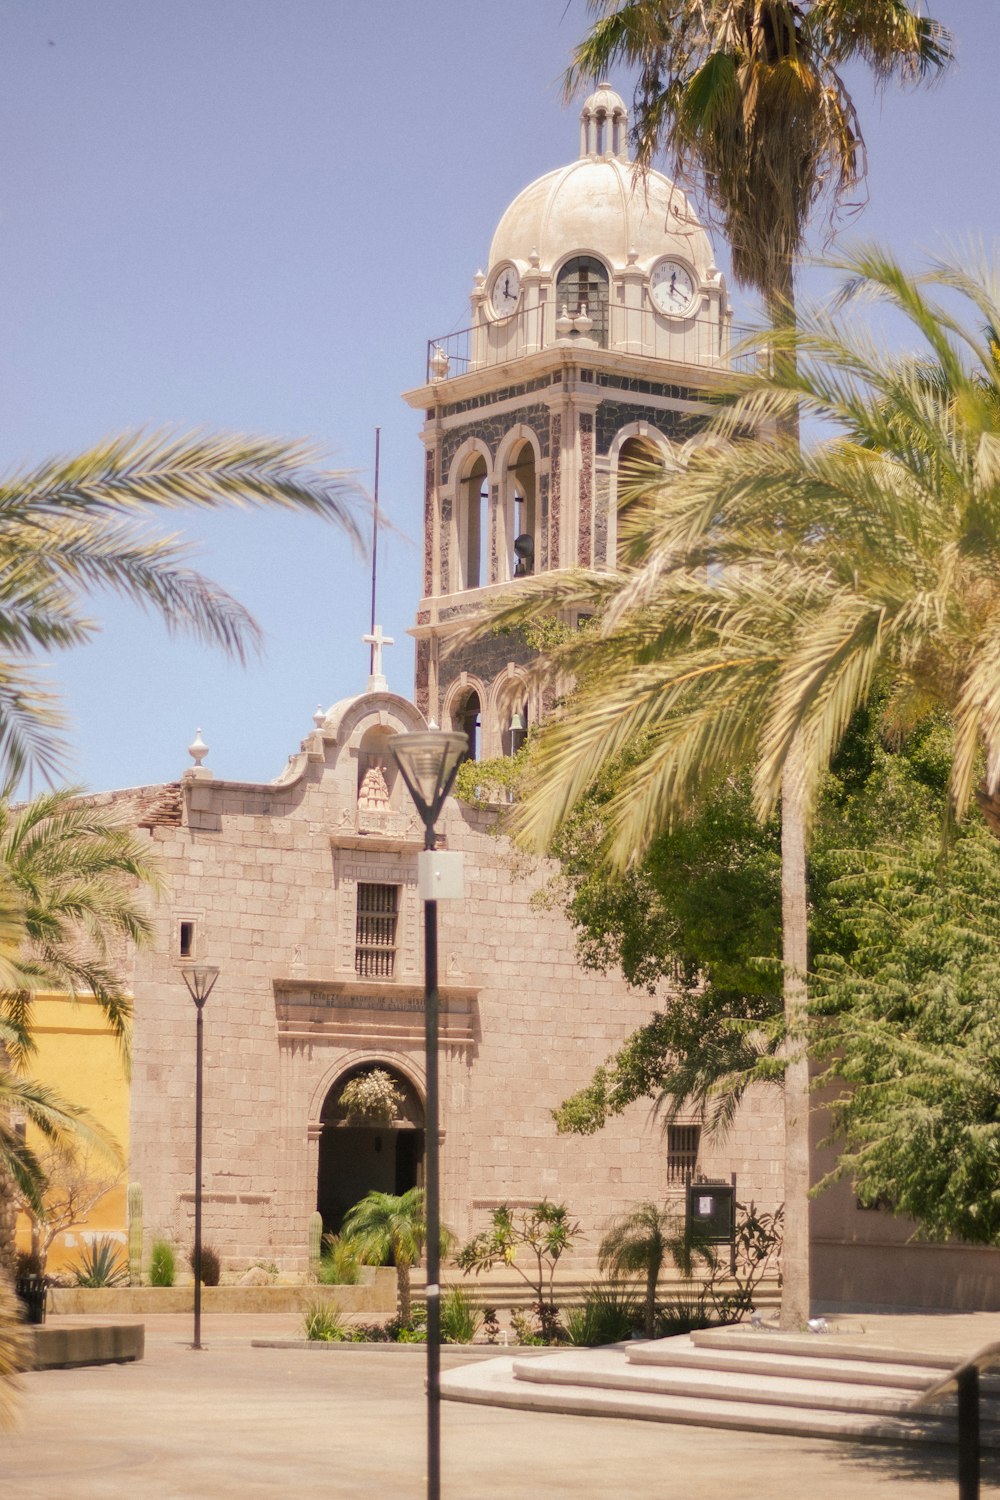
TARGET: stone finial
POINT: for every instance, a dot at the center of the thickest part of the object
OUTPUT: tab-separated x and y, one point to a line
197	751
319	717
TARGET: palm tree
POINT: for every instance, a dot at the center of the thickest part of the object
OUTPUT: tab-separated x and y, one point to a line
639	1242
774	589
388	1227
747	100
76	525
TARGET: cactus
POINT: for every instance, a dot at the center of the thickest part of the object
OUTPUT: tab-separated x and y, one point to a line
135	1233
315	1241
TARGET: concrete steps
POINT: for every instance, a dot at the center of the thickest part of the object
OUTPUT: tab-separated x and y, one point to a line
504	1289
758	1382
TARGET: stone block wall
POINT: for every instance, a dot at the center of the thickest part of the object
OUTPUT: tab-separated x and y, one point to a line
262	874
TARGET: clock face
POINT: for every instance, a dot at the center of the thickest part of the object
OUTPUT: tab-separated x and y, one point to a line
671	286
506	290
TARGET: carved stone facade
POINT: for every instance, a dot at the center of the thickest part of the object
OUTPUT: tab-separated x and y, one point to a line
268	882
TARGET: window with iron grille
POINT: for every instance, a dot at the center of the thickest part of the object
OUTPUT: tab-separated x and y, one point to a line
682	1152
375	936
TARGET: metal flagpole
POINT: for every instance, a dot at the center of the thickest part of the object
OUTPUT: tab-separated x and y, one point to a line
371	663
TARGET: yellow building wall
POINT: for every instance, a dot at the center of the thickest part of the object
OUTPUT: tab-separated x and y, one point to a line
79	1058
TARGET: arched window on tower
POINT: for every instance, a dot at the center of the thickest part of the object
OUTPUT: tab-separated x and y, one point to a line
583	282
467	719
634	452
522	489
474	526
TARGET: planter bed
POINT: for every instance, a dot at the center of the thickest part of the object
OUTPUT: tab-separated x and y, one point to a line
375	1300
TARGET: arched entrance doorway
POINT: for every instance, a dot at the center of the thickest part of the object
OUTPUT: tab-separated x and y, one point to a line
358	1156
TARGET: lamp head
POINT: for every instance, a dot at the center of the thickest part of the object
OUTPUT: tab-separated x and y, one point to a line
200	980
428	760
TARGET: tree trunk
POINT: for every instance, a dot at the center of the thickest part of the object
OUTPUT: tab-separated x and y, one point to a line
649	1320
403	1293
796	1281
8	1225
795	1288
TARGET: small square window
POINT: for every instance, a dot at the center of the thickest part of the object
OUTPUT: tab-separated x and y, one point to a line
683	1142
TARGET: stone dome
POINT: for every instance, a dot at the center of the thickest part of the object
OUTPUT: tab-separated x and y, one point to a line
597	205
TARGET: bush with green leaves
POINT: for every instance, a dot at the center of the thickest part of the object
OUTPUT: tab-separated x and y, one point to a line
681	1314
460	1321
101	1264
524	1327
340	1262
162	1264
609	1315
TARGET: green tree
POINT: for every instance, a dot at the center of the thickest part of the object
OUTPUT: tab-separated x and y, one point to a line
76	525
784	588
907	1024
386	1227
748	101
639	1242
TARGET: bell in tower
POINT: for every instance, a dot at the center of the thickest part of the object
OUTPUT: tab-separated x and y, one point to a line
595	334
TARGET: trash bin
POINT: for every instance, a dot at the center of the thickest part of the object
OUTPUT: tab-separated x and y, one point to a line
32	1291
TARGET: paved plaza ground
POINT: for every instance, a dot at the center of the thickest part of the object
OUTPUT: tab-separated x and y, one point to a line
234	1420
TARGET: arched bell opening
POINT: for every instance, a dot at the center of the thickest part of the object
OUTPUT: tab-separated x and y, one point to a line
467	719
473	522
520	508
359	1155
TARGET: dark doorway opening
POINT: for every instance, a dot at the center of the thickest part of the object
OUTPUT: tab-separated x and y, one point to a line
358	1157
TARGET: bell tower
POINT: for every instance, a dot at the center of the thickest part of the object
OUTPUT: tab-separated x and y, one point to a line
595	333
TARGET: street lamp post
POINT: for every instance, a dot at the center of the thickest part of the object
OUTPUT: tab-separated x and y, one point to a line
200	980
428	761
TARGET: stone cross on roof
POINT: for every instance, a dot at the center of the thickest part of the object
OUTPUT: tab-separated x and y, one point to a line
377	682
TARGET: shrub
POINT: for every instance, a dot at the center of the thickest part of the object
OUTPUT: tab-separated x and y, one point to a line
609	1314
340	1262
211	1265
524	1328
101	1264
459	1319
162	1264
323	1322
680	1315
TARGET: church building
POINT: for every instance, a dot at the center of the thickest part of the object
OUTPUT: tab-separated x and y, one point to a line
599	325
597	331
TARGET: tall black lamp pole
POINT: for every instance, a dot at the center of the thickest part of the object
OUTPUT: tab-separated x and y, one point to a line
428	761
200	981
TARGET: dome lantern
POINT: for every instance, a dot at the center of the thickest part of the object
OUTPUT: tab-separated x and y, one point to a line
604	124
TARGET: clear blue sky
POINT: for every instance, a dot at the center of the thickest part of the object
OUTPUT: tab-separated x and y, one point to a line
251	214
